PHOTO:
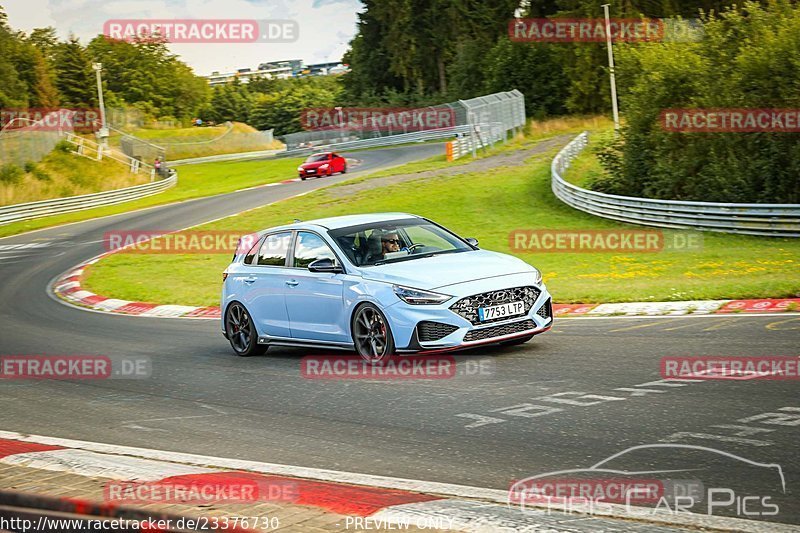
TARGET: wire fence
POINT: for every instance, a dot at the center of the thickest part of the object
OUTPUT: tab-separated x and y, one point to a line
24	140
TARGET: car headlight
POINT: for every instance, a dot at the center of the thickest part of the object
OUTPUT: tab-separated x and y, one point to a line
537	276
419	296
323	167
299	169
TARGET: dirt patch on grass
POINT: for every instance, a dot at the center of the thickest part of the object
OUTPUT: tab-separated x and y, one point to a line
505	159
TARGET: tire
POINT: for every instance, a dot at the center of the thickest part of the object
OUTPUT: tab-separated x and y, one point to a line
303	178
344	169
515	342
241	332
372	335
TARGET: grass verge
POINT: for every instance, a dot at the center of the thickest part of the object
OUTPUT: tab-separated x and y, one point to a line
488	206
194	181
61	174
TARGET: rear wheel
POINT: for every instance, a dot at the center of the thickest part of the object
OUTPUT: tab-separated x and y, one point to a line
371	334
241	332
344	169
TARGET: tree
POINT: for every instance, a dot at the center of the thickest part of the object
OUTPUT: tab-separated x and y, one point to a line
75	78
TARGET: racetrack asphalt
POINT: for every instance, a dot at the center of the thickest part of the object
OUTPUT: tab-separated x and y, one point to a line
570	398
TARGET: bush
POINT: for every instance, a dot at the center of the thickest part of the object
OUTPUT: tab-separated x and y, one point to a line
41	175
63	146
29	166
11	174
734	66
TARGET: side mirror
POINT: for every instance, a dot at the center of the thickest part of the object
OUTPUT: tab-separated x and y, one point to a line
325	265
472	241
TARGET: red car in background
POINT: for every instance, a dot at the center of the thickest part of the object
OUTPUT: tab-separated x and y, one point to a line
322	164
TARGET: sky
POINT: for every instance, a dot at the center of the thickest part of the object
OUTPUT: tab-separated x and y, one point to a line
325	26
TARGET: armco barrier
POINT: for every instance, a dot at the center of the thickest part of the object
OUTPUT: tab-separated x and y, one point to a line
775	220
28	211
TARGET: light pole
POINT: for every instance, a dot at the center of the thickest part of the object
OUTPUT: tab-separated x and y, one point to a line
611	70
103	133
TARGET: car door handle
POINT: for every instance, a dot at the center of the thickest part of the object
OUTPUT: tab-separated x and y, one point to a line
293	283
251	279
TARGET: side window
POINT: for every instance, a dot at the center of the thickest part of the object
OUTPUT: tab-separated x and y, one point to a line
251	255
273	251
309	248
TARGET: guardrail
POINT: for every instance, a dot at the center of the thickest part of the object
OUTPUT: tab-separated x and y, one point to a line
388	140
238	156
775	220
58	206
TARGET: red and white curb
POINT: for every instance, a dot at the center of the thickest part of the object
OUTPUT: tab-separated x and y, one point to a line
68	288
379	500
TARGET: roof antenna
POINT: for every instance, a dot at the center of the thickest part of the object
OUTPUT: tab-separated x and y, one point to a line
297	220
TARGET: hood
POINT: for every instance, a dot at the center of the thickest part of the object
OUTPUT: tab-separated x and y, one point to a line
448	269
315	164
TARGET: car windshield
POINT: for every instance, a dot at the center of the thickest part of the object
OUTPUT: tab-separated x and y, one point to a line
395	241
316	158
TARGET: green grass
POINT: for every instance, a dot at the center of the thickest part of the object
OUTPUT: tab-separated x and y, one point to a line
194	181
61	174
488	206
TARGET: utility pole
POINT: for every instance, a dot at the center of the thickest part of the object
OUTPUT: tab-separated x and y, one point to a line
614	105
103	132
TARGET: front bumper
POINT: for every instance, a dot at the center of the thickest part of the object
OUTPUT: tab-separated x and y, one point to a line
407	321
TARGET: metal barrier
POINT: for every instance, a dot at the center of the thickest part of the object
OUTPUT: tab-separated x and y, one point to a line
389	140
775	220
504	111
58	206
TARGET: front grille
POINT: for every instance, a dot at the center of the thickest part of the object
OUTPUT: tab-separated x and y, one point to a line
433	331
499	331
546	311
468	307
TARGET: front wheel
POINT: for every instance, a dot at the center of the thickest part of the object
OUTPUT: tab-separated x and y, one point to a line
241	332
372	335
303	178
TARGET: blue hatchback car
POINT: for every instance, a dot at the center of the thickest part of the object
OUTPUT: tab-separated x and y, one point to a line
379	284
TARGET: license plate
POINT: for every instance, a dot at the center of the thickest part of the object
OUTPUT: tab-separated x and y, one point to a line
500	311
310	171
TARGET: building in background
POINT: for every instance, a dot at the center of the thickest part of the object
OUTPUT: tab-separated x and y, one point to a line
278	69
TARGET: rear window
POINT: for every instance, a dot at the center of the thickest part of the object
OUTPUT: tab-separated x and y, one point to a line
274	250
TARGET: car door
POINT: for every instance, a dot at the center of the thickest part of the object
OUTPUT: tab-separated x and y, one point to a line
337	163
315	300
266	278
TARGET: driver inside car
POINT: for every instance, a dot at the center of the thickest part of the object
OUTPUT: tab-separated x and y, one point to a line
390	242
